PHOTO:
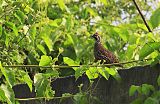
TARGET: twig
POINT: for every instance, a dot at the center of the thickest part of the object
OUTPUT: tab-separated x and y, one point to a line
145	22
71	66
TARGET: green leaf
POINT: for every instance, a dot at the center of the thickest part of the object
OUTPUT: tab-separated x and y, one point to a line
1	30
148	48
61	4
80	98
79	72
103	72
155	18
104	2
9	75
151	100
92	73
65	96
123	33
48	42
8	94
70	62
53	23
45	60
2	95
32	31
43	50
91	11
69	22
70	39
133	89
111	71
49	92
137	101
158	80
147	88
28	80
41	83
130	51
25	78
6	39
13	27
20	16
51	73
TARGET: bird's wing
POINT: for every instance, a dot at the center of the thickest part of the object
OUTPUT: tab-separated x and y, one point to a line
108	56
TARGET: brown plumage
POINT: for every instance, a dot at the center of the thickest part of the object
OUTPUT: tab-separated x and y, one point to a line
100	53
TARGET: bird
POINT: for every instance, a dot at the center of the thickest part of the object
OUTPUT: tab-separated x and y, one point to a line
101	53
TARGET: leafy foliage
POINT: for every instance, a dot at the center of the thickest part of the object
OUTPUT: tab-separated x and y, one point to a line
148	94
57	32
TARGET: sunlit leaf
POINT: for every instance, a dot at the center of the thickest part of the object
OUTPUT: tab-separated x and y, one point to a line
123	33
9	75
25	78
104	2
28	80
9	94
91	11
32	31
92	73
2	95
70	62
43	50
155	18
41	83
53	23
133	89
130	51
103	72
111	71
48	42
70	39
45	60
61	4
80	71
148	48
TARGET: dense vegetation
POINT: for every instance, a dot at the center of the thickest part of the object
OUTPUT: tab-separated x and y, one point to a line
57	32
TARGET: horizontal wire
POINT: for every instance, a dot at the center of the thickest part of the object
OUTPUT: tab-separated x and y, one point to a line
37	98
71	66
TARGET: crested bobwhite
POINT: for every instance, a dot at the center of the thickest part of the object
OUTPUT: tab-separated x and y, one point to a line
100	53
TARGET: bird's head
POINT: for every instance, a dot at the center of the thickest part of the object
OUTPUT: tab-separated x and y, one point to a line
96	37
